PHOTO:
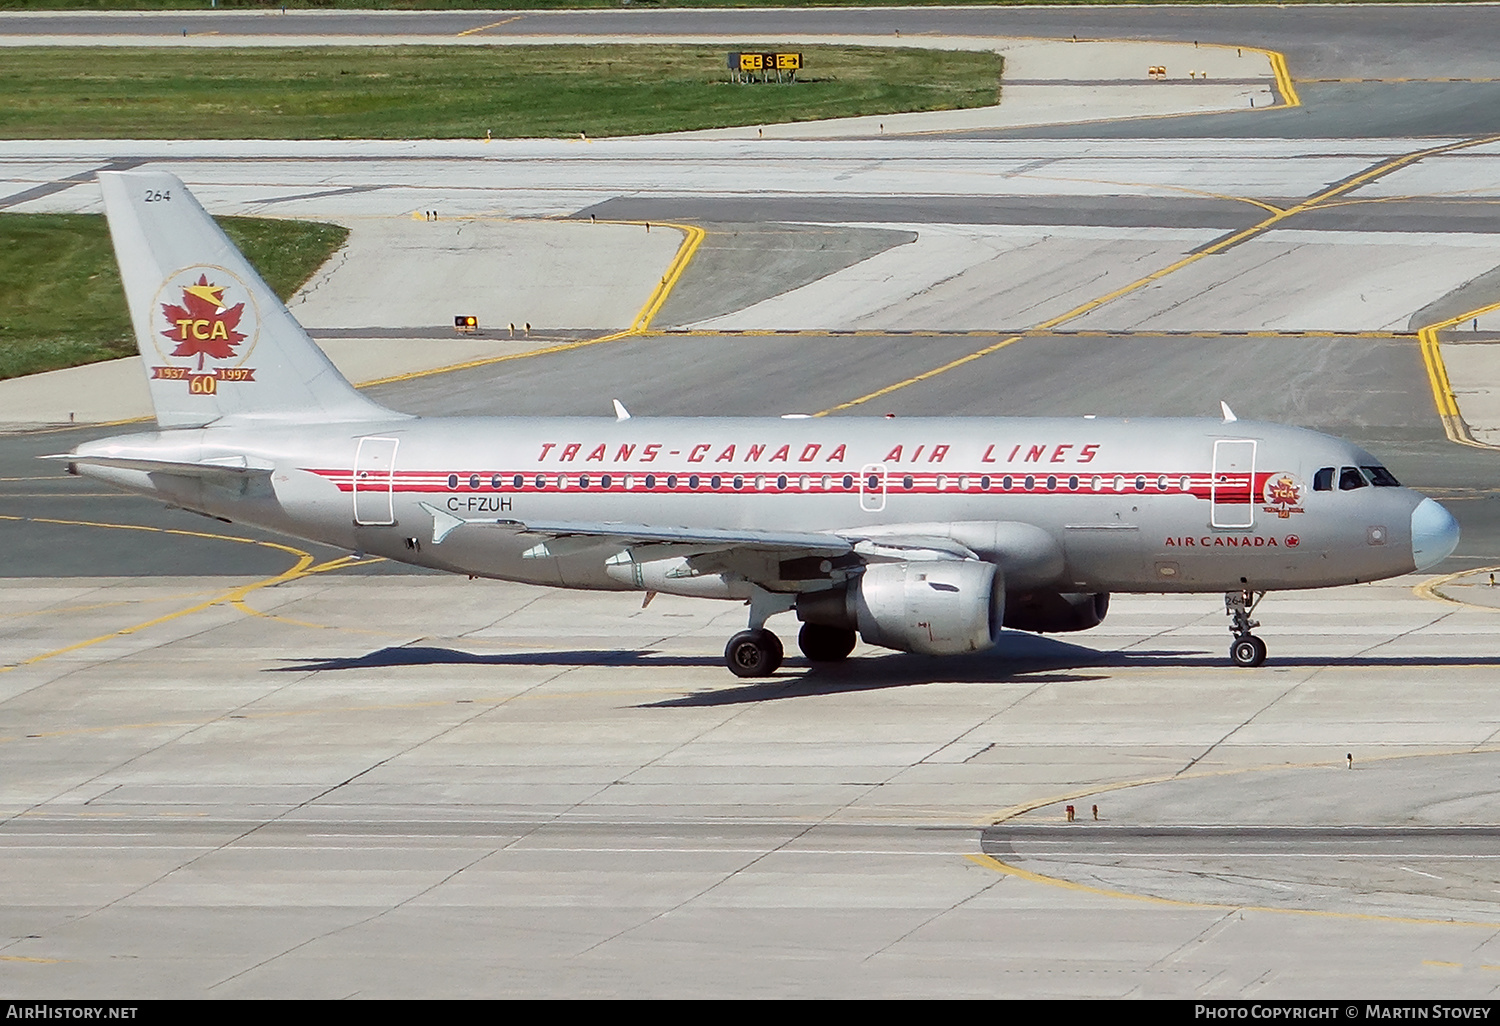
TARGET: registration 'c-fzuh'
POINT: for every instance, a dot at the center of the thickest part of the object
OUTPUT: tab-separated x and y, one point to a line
924	535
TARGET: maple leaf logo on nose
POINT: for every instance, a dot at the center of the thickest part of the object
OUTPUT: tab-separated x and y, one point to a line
1282	490
202	326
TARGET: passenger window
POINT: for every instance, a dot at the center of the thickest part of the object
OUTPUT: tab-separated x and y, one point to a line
1323	480
1381	478
1350	478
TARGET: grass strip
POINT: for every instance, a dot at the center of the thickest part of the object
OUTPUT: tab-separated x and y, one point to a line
457	92
61	303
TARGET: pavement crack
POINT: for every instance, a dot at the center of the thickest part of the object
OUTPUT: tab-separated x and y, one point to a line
1242	725
1218	925
1407	633
353	925
985	721
506	616
321	276
299	806
996	882
706	890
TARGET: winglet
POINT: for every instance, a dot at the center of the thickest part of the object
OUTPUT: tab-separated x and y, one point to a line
1229	416
621	413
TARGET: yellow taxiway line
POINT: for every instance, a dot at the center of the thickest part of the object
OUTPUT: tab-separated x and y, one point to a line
692	239
232	596
1353	182
1437	376
493	24
690	243
1429	589
1011	812
1284	86
986	351
990	862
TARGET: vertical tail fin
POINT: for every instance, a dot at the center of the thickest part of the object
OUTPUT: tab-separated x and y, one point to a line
216	341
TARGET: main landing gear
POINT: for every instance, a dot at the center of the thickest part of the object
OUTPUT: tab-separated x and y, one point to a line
1246	649
753	653
756	652
824	644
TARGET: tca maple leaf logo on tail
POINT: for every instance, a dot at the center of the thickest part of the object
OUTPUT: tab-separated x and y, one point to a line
207	315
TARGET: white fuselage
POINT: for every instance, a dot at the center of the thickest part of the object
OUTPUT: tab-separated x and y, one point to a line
1126	504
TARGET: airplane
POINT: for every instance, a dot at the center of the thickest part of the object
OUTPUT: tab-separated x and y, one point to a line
926	535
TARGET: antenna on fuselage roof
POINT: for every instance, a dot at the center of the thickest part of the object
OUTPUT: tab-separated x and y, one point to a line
1229	416
621	413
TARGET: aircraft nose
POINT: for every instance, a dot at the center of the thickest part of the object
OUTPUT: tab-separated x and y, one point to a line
1434	534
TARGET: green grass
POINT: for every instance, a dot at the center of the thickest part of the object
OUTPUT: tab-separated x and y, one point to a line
61	303
457	92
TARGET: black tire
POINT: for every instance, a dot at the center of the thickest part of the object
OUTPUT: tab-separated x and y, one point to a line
823	644
1247	651
777	652
753	654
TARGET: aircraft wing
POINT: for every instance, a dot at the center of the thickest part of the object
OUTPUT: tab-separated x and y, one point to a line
825	544
445	523
776	560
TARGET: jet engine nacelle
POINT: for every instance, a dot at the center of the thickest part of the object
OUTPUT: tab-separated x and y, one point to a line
1054	612
942	607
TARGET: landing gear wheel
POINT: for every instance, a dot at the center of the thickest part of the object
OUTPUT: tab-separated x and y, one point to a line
1247	651
823	644
753	653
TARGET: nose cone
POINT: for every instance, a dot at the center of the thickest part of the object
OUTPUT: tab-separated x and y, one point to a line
1434	534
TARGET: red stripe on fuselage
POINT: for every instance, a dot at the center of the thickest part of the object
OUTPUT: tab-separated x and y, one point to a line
1234	489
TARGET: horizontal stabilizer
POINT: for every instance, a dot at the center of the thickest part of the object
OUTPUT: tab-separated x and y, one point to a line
221	471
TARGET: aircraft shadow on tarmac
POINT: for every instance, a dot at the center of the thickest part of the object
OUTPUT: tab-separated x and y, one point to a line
1019	658
422	655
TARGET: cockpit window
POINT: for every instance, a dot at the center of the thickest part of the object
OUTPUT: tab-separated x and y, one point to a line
1381	478
1350	478
1323	480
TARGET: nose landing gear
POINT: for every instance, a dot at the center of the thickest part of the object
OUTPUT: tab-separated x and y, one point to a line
1246	649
